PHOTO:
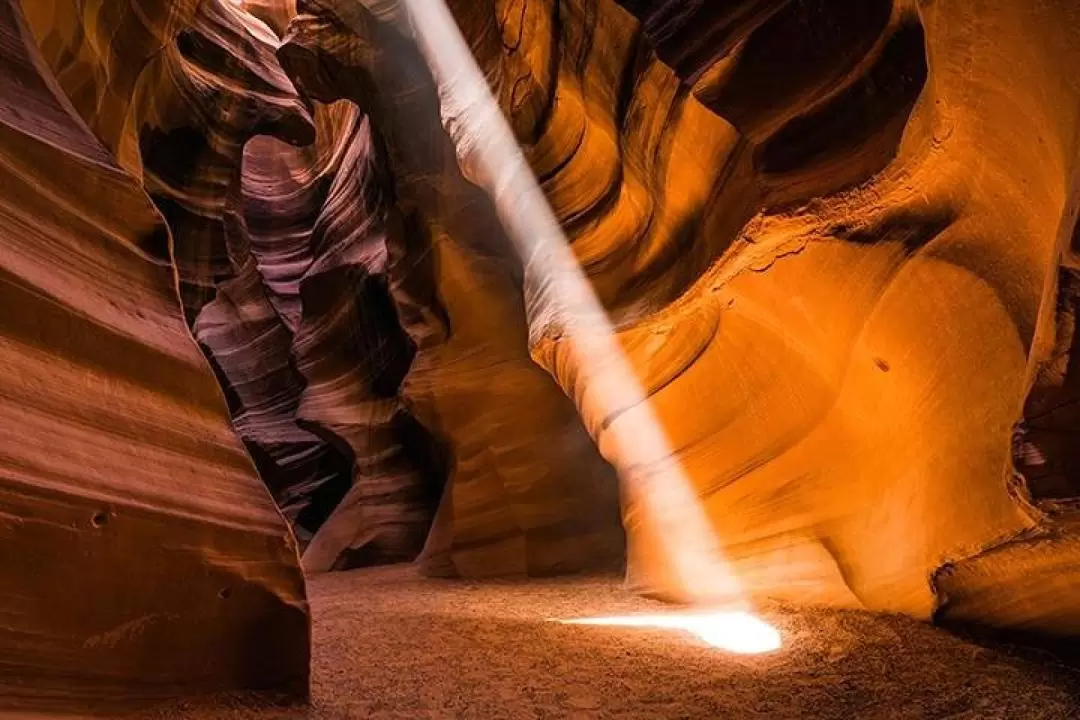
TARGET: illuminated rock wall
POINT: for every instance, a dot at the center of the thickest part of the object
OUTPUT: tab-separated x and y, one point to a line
831	236
836	240
842	376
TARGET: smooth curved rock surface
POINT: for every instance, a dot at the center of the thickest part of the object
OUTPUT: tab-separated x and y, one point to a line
348	344
832	322
142	558
864	341
837	240
526	490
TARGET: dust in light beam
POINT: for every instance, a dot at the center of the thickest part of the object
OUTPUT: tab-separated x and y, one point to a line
654	482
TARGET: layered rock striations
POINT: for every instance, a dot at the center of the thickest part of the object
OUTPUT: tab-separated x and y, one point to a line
526	491
203	99
813	278
836	241
142	558
206	114
843	364
314	294
330	266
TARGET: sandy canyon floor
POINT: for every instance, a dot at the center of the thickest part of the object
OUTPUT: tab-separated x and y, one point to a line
389	644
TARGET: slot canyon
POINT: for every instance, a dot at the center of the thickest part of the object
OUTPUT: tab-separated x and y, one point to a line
540	359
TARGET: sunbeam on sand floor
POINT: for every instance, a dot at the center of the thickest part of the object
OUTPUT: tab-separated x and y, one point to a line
733	631
390	644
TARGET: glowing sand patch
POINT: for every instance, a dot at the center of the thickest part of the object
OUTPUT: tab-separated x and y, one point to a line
736	632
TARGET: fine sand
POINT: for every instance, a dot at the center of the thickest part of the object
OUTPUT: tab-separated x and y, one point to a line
389	644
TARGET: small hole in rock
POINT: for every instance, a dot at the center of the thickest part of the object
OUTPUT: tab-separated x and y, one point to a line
100	519
225	593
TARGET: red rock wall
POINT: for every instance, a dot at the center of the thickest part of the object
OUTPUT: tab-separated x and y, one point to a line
527	492
842	374
142	558
318	280
830	235
837	240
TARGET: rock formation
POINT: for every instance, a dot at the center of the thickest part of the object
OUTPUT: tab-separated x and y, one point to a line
142	558
867	338
836	238
527	492
815	257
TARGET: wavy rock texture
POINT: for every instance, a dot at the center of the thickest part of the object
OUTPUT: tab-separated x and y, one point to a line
202	99
812	277
527	491
863	343
141	558
313	295
330	275
199	103
837	239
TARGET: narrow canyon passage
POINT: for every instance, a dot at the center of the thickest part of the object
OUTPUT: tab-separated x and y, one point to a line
539	358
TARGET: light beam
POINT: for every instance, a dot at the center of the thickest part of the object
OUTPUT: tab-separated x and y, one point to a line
654	483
